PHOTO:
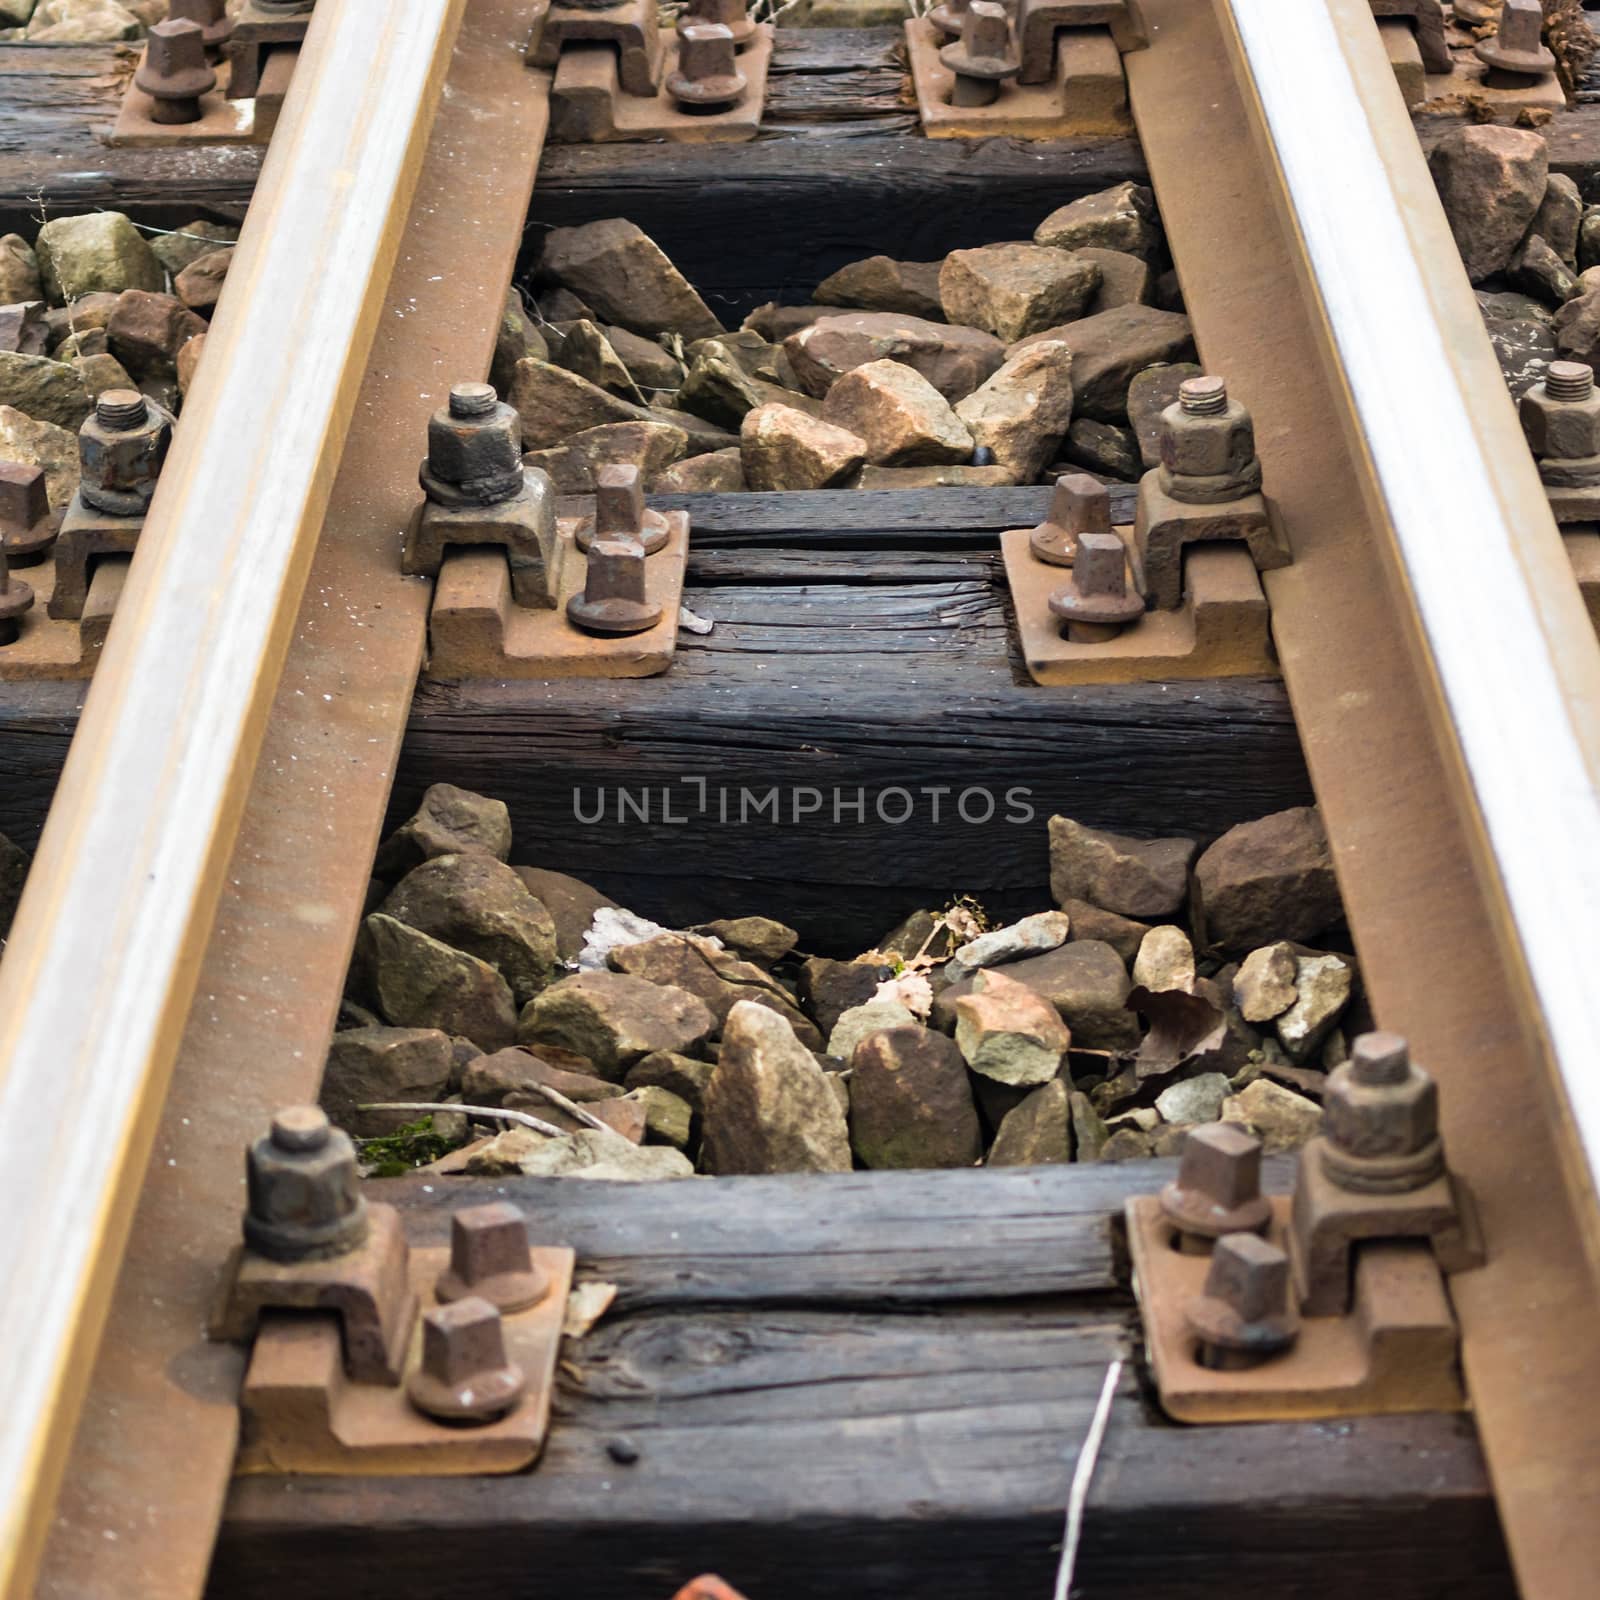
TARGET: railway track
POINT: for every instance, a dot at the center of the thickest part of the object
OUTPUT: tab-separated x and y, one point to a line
757	1391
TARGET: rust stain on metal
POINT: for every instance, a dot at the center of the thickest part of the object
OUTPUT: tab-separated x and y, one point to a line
1403	852
304	1411
152	1456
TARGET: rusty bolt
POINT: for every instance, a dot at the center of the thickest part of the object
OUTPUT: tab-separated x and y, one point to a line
305	1201
983	57
1079	505
1218	1187
474	449
1517	46
614	594
1208	445
15	598
1243	1316
465	1374
27	529
1380	1119
707	77
1561	421
210	16
730	14
1096	602
620	511
489	1257
948	17
121	447
175	72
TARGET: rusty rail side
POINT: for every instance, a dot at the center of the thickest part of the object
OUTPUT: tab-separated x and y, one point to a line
1438	657
150	1464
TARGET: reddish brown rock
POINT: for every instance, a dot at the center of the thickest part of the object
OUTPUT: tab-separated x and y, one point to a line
146	331
1491	181
1120	218
199	285
1023	412
624	277
189	361
910	1103
899	416
1109	350
718	977
1012	290
882	284
954	360
716	472
1123	934
1008	1033
488	1079
1266	880
1133	877
785	449
571	903
1084	980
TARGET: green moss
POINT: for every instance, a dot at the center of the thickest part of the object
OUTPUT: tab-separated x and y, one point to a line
395	1154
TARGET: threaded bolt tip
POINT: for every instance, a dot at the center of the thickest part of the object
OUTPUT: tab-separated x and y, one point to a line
120	408
1569	380
472	400
1203	397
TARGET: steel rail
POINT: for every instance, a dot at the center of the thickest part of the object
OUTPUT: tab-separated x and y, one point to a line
108	942
1439	659
149	1468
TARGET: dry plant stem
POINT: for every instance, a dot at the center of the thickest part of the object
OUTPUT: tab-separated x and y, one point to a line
521	1118
572	1109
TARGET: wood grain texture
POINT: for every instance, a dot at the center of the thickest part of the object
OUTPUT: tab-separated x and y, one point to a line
876	1385
862	647
105	952
862	655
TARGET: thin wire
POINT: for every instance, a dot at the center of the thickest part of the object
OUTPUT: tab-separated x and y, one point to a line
1078	1495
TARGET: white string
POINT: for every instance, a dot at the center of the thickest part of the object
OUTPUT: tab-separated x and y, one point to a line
1078	1495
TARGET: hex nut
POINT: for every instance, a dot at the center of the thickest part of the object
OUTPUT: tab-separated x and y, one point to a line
122	445
1380	1119
305	1201
1560	430
1220	447
474	449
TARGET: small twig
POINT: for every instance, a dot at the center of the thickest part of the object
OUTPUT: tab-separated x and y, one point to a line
521	1118
1078	1494
572	1109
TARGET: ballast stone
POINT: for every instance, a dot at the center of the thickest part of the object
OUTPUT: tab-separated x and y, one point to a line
1132	877
910	1103
1012	290
1023	412
898	415
1491	182
769	1107
614	1019
101	251
625	278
